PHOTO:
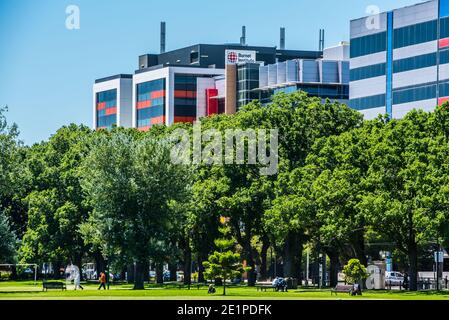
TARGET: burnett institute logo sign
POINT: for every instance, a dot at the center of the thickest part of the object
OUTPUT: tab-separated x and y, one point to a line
240	56
232	57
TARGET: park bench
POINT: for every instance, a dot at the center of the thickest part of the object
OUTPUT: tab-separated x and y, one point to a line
342	288
53	285
265	287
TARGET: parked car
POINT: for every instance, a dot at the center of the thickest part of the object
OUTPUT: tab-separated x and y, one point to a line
393	278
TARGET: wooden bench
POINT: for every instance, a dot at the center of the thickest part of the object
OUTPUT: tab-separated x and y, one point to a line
53	285
342	288
265	287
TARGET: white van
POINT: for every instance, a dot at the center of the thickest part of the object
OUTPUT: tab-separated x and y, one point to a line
393	278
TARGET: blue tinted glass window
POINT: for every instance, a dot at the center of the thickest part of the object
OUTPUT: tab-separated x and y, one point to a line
372	71
368	102
444	28
415	34
368	44
418	62
444	56
423	92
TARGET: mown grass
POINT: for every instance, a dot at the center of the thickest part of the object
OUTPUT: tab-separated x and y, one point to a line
28	290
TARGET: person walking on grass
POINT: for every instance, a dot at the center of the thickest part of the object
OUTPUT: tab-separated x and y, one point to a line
77	277
102	281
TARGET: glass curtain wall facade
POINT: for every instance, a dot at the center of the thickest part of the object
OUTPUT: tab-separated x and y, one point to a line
150	104
247	81
106	105
185	98
333	92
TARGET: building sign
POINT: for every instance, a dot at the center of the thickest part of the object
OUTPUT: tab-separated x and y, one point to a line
439	256
239	56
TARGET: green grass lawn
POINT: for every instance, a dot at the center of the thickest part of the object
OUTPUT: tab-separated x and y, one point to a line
27	290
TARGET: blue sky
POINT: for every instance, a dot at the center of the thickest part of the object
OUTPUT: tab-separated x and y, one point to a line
47	71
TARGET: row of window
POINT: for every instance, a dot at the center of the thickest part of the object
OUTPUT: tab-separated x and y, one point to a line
248	71
415	94
334	92
368	44
414	34
372	71
106	112
444	28
107	121
150	86
150	95
109	95
444	89
151	112
417	62
402	37
107	104
410	94
185	106
247	85
368	102
402	65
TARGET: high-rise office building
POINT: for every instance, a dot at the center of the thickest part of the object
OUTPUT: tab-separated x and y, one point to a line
112	102
184	85
400	60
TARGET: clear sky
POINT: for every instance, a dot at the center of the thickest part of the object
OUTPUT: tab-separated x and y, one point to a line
47	71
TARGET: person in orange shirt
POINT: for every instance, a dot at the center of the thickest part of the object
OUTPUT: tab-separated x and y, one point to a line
102	281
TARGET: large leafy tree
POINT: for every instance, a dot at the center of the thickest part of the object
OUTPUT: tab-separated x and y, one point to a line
130	184
408	178
292	213
13	182
337	168
56	204
8	241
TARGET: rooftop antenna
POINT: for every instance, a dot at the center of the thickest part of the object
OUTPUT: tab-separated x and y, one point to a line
321	43
243	37
282	39
163	37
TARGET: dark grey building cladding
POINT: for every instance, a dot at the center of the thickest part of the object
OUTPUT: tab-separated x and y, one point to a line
207	55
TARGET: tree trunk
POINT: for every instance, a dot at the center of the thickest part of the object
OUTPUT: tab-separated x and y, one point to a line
123	274
249	257
187	264
56	273
139	276
263	259
13	273
200	269
292	256
413	261
224	287
173	268
359	246
159	273
334	266
99	263
146	273
130	273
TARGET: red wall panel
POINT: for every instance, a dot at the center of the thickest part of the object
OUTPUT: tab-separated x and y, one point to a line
211	104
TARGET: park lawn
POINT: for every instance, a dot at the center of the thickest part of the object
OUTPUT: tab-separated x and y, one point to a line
27	290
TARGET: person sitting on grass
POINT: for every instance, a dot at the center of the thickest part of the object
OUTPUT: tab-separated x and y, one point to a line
102	281
211	289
